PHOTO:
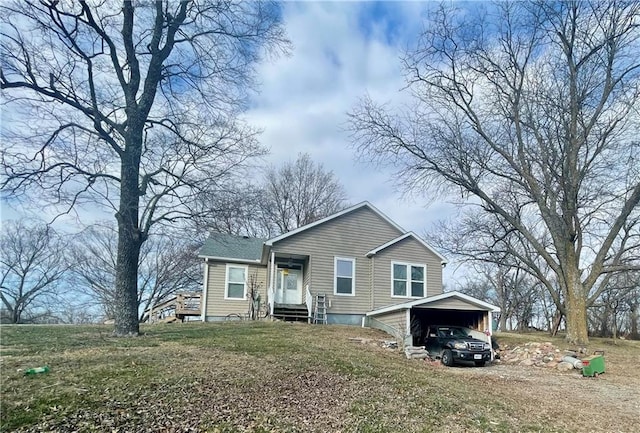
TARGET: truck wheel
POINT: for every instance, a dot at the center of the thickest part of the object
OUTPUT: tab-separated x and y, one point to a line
447	358
480	363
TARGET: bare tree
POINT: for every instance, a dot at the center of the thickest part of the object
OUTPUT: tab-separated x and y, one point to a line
241	211
168	265
299	193
133	106
529	109
615	312
288	196
31	267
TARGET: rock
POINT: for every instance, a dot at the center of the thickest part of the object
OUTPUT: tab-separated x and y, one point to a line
416	352
575	362
527	362
565	366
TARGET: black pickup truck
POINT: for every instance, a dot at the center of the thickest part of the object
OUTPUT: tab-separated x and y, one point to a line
453	344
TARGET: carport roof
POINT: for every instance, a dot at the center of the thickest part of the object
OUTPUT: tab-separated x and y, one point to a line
432	299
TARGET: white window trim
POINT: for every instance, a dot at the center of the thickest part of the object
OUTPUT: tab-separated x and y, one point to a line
409	280
226	282
335	276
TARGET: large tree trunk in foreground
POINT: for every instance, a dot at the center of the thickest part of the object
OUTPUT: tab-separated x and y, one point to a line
88	74
576	309
130	240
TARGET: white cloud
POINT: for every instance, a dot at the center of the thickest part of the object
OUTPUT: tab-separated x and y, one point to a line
342	50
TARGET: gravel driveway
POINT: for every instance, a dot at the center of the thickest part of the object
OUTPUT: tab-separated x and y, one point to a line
608	403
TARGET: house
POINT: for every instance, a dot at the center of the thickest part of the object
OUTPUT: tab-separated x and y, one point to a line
355	267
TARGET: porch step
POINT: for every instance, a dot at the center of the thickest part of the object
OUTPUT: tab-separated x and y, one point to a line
291	312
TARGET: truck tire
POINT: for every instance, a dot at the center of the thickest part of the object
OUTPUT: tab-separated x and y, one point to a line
447	358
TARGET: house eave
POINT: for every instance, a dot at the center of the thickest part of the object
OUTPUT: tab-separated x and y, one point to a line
443	259
410	304
230	259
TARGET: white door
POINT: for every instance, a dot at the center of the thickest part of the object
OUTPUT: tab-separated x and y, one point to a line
289	286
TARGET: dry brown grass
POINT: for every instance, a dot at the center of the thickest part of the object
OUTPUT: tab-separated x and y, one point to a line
277	377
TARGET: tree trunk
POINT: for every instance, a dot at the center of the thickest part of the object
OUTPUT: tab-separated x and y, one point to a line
503	321
576	306
129	241
557	320
633	318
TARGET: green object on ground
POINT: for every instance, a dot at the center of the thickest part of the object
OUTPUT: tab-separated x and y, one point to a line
594	364
36	370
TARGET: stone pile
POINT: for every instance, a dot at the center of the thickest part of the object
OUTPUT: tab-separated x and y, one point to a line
538	355
416	352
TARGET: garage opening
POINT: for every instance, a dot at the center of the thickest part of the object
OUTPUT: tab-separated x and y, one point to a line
421	318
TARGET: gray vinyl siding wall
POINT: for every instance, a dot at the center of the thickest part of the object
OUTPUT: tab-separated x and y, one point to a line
217	306
453	304
393	323
350	236
407	250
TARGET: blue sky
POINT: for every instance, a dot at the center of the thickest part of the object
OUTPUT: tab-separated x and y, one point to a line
342	50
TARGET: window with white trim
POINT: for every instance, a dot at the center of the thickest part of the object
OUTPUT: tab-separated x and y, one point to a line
408	280
344	281
236	282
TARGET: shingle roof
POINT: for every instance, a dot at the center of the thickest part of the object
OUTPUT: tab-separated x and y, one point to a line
222	245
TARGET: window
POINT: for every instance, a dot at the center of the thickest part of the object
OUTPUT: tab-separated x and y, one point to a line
408	281
344	276
236	282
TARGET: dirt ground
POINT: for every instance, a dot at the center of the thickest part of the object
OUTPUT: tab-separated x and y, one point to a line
608	403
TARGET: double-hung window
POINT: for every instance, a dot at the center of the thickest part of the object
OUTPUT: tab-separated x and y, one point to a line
408	280
344	280
236	282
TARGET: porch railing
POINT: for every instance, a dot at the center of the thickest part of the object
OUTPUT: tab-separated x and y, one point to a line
309	301
271	300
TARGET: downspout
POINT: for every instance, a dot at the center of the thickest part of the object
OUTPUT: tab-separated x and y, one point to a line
372	271
205	285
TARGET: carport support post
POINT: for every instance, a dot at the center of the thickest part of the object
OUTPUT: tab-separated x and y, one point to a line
490	332
407	331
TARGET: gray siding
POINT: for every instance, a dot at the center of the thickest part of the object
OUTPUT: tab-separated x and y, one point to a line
453	304
407	250
220	307
351	235
394	323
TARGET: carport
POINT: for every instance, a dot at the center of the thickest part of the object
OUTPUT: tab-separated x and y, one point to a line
410	320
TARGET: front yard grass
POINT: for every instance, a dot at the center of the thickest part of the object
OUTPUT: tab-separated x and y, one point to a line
259	377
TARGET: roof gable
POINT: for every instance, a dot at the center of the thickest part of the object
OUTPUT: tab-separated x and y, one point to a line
432	299
304	228
222	246
375	251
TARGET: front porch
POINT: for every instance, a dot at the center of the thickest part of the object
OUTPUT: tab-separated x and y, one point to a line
288	295
292	312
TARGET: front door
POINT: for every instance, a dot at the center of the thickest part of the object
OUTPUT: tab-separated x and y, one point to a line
289	286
